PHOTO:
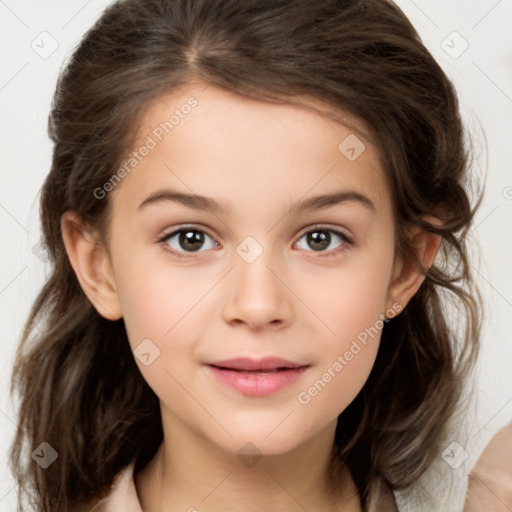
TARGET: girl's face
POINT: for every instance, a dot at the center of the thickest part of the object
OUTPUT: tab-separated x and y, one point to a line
256	231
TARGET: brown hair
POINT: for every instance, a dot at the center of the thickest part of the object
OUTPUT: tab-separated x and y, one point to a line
362	57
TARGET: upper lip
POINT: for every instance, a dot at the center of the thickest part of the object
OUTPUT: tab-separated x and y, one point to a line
248	364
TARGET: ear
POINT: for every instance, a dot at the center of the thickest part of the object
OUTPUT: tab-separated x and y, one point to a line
407	278
91	262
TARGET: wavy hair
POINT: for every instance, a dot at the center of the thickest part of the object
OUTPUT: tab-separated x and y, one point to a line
361	57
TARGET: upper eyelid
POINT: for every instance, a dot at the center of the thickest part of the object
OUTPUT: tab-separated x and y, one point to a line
324	227
184	227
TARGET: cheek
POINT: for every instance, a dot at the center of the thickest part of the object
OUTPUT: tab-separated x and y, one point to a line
352	305
345	358
329	392
163	315
158	306
352	299
156	299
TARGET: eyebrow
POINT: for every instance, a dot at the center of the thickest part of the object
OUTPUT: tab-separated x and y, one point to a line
205	203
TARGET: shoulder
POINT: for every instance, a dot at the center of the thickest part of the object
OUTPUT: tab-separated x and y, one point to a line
123	495
490	482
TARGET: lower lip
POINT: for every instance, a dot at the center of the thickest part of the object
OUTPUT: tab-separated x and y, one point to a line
257	383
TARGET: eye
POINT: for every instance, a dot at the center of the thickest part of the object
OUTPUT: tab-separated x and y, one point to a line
322	239
191	240
186	240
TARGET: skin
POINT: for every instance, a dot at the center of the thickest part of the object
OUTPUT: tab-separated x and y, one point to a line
490	482
292	302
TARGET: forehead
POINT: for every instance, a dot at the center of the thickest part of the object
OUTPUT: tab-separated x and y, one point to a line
208	141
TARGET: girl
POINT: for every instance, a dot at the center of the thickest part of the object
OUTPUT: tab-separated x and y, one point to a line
257	215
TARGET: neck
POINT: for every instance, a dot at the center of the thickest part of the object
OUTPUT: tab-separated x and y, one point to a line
189	473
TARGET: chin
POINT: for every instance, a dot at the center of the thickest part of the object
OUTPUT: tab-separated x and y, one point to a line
258	442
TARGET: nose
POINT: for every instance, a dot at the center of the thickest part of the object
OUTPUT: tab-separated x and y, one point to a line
257	295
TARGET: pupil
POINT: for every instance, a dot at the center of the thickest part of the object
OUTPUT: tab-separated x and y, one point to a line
319	239
191	240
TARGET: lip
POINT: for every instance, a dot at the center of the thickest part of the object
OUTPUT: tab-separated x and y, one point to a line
257	377
249	364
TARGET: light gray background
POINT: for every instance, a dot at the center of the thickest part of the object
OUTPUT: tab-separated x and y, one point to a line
482	75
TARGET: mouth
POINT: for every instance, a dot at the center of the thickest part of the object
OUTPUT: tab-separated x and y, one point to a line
265	365
257	377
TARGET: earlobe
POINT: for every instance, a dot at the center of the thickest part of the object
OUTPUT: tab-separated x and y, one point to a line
408	278
91	263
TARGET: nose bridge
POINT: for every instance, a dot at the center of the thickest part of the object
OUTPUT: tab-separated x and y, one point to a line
255	295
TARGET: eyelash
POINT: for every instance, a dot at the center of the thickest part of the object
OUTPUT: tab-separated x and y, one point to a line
347	241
